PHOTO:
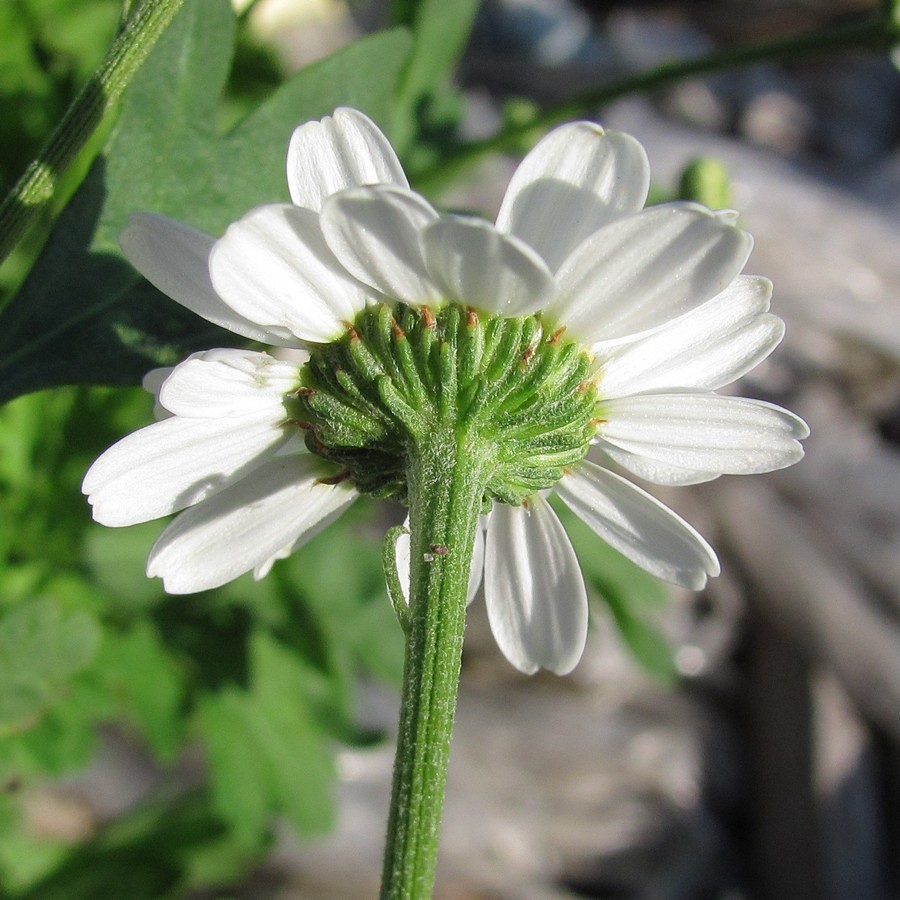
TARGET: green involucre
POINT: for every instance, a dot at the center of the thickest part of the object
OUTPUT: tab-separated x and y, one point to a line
519	394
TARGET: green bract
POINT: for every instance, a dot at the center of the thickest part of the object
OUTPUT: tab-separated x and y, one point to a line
518	394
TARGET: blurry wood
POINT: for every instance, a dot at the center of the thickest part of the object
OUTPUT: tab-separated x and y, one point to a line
808	595
887	762
849	481
785	858
849	788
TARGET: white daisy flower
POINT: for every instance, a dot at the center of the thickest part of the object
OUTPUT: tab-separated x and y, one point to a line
579	318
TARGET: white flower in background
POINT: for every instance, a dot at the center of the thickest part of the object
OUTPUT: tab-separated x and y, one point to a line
652	298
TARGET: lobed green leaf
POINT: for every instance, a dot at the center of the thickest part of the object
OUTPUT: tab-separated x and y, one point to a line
40	649
83	314
267	753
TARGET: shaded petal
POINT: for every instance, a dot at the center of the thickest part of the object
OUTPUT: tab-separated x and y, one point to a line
341	151
652	469
576	180
638	525
273	265
476	570
640	272
376	234
705	432
152	383
472	262
278	505
155	378
703	350
403	558
728	216
174	258
262	569
228	383
533	587
175	463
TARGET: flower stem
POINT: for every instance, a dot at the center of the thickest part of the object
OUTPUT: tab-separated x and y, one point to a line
445	494
36	188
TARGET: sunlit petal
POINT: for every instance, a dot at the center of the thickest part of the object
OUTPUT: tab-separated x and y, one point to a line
533	588
341	151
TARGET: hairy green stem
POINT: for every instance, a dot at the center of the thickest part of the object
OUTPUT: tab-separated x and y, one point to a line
879	32
445	495
36	188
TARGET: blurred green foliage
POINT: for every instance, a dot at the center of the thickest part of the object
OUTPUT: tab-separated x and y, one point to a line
83	314
49	49
263	674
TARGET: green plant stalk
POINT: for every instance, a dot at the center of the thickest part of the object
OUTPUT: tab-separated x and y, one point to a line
446	485
877	33
36	188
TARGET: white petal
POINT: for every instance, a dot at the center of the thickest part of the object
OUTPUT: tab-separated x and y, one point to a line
705	432
152	382
476	570
376	234
652	469
404	559
703	350
472	262
155	378
728	216
576	180
228	383
175	258
175	463
262	569
279	504
640	272
638	525
273	265
533	587
341	151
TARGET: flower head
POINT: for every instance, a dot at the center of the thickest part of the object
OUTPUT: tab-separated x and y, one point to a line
580	321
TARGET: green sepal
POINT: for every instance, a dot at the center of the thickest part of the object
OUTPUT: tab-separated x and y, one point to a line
392	577
519	394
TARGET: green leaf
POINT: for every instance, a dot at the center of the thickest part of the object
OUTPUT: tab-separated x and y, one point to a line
136	669
48	50
267	753
117	560
83	314
40	650
241	785
646	643
441	31
428	108
350	602
706	180
632	596
143	856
